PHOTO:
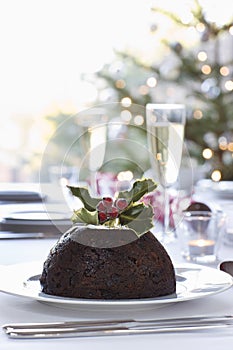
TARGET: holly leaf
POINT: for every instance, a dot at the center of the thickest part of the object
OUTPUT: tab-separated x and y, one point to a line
139	189
85	216
138	217
83	194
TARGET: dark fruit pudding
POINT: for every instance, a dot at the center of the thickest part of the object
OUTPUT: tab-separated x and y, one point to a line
109	252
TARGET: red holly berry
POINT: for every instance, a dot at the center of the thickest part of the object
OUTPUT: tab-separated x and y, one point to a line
121	203
100	206
113	212
102	216
107	201
106	210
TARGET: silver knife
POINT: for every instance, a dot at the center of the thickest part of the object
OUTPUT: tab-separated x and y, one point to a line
114	327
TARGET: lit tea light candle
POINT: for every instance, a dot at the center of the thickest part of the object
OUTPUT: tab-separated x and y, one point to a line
201	247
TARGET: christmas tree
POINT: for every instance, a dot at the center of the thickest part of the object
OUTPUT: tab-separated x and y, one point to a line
199	74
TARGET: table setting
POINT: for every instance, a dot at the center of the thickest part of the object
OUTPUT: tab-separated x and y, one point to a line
215	299
195	231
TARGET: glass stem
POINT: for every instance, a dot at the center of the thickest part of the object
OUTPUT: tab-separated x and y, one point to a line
93	183
166	210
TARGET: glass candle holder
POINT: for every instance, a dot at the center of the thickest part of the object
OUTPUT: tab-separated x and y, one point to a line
200	234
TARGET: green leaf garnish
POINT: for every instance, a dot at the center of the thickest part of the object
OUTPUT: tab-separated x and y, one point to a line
82	193
85	216
139	189
136	216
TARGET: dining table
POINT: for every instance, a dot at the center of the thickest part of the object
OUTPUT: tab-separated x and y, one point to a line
20	253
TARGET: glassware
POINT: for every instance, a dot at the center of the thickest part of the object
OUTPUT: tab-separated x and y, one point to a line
165	134
93	123
111	141
200	235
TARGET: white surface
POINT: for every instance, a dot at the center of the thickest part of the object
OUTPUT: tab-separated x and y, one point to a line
222	189
20	309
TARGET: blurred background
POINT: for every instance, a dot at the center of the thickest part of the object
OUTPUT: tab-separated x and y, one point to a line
60	57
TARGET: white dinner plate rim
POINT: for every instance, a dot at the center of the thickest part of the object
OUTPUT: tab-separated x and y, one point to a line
21	216
222	188
22	291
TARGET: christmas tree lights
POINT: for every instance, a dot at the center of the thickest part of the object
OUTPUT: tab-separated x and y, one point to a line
199	75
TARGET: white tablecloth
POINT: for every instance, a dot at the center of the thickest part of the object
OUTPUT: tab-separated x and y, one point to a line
20	309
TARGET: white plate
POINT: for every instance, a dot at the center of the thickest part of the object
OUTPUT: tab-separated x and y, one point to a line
224	189
193	282
37	216
36	221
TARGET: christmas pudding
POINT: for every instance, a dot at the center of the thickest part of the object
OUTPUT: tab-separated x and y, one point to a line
109	252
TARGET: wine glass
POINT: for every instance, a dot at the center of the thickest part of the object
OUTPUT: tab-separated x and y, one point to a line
93	123
165	134
111	142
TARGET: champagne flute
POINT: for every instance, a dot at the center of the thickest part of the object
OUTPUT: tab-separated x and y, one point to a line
165	134
94	124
